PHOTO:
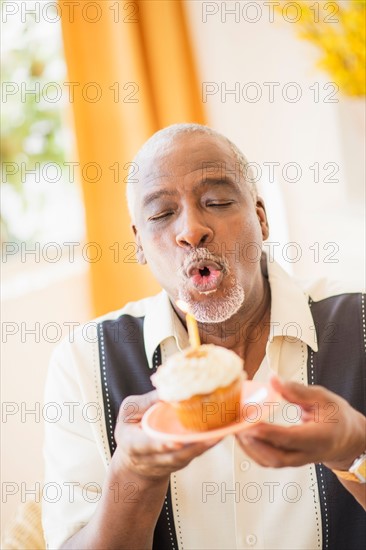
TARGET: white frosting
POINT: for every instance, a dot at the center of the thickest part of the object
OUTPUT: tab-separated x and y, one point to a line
185	374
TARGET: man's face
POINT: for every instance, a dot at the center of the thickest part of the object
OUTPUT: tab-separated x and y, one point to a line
200	231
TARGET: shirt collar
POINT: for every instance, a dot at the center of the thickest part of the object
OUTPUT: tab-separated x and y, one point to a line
161	322
290	315
290	310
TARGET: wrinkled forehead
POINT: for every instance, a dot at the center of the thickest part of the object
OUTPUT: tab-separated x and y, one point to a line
195	154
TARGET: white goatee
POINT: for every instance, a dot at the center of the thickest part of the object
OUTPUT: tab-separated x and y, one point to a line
216	309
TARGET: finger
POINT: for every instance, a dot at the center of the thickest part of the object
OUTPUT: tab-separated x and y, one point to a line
191	450
272	457
134	406
180	449
291	438
179	458
136	442
251	450
169	461
305	396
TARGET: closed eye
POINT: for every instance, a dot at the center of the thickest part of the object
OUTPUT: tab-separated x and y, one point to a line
220	204
161	216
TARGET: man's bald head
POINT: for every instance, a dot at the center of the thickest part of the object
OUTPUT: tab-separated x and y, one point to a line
164	138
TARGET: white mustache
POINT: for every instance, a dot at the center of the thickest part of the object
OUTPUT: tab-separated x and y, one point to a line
199	254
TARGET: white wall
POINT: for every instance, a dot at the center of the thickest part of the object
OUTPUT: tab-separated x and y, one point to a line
304	132
41	294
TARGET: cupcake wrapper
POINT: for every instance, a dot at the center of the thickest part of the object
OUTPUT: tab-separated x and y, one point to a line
211	411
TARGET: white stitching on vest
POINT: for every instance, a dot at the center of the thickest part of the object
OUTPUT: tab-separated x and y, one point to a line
322	488
168	520
179	531
315	485
104	376
312	380
363	319
155	366
101	423
303	365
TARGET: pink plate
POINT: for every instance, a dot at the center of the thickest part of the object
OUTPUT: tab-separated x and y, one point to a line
161	421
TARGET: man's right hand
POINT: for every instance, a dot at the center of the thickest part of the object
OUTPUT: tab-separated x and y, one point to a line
146	457
143	463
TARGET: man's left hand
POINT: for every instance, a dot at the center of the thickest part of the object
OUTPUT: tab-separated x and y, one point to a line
332	432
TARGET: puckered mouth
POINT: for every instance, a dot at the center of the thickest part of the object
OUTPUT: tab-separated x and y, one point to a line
203	268
205	274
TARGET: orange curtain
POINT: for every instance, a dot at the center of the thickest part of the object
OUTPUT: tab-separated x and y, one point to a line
131	70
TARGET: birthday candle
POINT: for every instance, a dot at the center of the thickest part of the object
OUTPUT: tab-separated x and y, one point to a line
192	327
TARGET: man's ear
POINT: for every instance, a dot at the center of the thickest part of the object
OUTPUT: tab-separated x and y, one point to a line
140	252
262	217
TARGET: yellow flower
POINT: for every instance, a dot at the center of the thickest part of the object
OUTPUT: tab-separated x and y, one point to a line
338	31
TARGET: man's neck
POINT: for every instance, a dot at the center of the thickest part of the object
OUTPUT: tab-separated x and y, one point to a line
246	332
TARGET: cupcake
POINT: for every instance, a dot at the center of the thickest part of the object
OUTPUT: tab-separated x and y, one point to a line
203	385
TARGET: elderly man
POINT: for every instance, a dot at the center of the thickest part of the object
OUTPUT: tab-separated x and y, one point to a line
267	487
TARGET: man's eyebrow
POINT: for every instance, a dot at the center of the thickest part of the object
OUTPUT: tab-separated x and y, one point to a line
224	181
216	180
155	195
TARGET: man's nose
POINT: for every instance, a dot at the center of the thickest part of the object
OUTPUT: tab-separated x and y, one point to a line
194	232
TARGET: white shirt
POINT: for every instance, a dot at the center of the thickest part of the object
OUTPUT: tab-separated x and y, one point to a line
222	499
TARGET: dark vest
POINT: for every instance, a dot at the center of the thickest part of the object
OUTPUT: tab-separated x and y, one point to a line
339	365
